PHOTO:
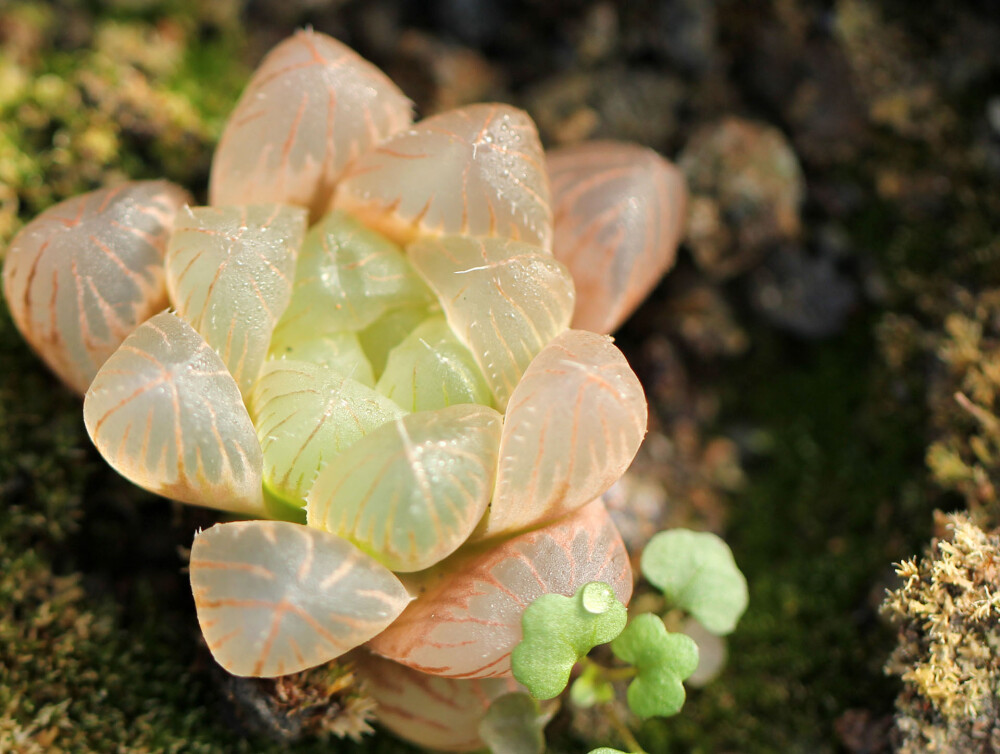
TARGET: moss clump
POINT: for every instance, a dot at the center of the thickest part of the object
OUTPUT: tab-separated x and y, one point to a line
948	613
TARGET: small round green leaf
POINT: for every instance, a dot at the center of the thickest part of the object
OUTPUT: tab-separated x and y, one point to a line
697	573
663	660
514	724
559	630
591	688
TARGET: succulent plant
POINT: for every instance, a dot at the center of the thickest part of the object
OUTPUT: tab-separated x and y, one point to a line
369	356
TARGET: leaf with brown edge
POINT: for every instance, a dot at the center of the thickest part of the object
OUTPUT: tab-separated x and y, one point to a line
85	273
503	299
573	425
467	618
229	273
168	416
311	107
618	213
411	492
475	171
437	713
275	598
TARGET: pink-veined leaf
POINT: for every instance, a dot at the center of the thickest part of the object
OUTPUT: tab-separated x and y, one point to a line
437	713
467	618
476	171
306	414
85	273
311	107
167	415
411	492
229	273
504	300
619	214
274	597
573	425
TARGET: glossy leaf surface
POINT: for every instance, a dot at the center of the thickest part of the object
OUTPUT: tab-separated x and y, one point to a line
431	369
619	213
85	273
306	414
229	273
467	619
505	300
573	426
339	351
312	106
442	714
475	171
166	414
410	492
275	598
347	277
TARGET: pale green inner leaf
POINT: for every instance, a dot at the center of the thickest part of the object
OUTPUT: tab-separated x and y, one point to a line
339	351
431	369
411	492
305	415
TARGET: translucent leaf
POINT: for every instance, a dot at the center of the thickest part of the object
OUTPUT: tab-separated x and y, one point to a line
340	351
166	414
229	273
437	713
413	490
467	619
432	369
387	332
560	630
85	273
573	426
276	598
662	661
347	277
697	573
504	299
514	724
305	415
476	171
311	107
619	213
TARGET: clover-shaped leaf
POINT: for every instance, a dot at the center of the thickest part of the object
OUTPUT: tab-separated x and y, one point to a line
662	661
559	630
696	572
606	750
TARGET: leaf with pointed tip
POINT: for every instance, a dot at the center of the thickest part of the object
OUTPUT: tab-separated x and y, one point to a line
274	597
696	572
347	277
431	369
504	299
339	351
475	171
168	416
413	490
311	107
619	213
662	661
437	713
306	414
467	619
85	273
229	273
573	425
559	630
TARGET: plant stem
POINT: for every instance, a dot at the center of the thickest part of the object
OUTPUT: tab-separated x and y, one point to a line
624	731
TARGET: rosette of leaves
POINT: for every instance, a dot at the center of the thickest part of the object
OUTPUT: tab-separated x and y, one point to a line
364	347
